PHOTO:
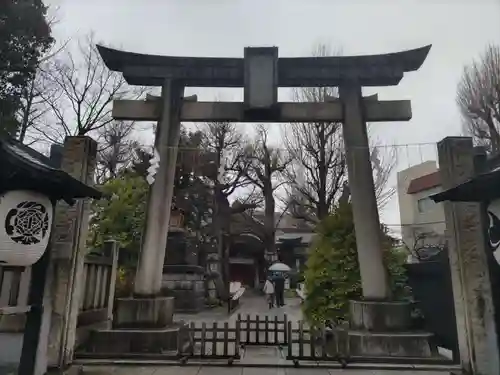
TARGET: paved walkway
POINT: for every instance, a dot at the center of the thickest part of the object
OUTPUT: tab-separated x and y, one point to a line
252	304
177	370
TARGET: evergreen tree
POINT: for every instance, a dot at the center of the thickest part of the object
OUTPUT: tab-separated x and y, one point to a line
24	37
332	275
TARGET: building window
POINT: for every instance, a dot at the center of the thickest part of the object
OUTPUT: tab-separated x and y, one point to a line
425	204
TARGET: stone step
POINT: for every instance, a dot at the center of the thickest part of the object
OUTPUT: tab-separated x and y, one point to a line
136	340
397	344
392	334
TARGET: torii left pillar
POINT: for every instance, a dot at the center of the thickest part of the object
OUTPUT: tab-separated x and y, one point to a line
147	308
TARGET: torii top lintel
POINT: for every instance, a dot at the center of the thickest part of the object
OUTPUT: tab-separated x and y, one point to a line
366	70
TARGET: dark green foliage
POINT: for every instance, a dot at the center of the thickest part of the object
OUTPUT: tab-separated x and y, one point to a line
121	215
24	37
332	275
192	194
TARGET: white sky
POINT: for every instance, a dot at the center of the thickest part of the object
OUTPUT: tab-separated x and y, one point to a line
459	30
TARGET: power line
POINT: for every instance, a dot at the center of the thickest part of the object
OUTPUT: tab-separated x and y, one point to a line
401	145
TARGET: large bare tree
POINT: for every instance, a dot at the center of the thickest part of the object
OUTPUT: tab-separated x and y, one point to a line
318	174
85	89
318	170
263	165
222	144
478	97
116	149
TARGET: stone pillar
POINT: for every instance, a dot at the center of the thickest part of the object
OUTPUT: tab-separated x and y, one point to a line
150	268
477	338
68	252
374	279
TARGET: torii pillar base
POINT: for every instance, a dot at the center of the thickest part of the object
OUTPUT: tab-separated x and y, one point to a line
384	329
140	325
141	313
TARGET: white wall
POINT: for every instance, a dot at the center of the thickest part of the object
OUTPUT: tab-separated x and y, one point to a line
433	217
411	218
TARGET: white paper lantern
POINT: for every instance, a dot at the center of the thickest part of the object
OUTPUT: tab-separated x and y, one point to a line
25	225
494	228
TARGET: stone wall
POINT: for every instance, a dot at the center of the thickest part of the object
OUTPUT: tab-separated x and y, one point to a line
65	273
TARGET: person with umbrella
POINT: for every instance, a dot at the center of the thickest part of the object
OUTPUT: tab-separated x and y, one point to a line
279	270
269	292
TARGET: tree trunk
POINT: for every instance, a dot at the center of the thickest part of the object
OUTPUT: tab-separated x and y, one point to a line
494	136
219	230
322	209
269	224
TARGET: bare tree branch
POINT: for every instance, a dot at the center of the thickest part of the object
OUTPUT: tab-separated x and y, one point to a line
318	174
478	97
33	108
116	149
85	89
263	165
224	142
318	171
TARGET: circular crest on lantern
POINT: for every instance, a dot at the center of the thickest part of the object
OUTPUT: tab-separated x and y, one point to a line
25	224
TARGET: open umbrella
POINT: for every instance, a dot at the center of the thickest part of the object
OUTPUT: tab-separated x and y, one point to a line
279	267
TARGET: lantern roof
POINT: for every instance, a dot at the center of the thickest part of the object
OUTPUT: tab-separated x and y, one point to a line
26	169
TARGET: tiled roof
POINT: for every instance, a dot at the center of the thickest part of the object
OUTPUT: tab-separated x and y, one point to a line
25	168
422	183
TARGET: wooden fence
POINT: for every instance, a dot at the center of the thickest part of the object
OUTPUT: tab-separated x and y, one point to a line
213	341
332	345
309	344
14	289
267	331
98	285
97	290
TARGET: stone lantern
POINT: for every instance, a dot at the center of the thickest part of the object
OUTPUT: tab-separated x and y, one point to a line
30	185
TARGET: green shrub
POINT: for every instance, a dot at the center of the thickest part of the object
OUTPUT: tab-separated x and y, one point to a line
332	275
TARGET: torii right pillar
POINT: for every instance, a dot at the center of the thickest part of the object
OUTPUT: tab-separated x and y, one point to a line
379	325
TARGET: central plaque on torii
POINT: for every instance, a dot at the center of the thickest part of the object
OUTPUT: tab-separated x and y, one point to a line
261	72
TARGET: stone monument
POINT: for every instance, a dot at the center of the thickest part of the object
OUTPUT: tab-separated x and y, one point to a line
260	73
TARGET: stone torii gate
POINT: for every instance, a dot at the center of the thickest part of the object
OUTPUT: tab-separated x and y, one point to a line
260	73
